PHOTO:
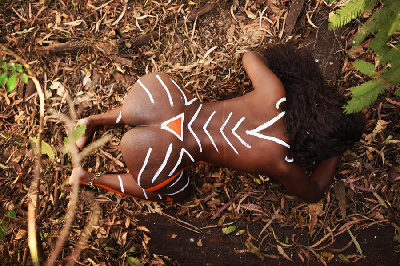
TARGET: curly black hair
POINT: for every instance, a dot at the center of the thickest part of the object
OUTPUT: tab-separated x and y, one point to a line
315	122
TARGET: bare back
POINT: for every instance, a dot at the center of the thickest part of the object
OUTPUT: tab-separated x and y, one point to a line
174	130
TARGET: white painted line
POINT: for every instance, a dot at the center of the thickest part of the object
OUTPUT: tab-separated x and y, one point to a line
162	166
289	160
280	101
147	90
208	134
223	135
180	159
144	193
177	180
165	123
121	184
166	89
190	127
237	136
182	189
184	96
146	160
119	117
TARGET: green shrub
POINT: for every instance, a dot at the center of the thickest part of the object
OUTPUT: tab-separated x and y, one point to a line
383	24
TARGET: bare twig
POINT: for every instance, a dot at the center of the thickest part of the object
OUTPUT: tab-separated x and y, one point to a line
33	189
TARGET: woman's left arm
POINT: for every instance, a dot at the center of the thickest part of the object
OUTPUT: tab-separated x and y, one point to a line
310	189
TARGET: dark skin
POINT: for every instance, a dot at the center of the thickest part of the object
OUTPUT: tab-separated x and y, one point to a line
258	155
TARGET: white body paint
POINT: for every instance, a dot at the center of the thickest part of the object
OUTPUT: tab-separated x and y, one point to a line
237	136
121	184
223	134
183	150
162	166
190	127
146	90
281	100
177	180
256	132
119	117
289	160
164	125
166	89
146	160
183	94
182	189
206	131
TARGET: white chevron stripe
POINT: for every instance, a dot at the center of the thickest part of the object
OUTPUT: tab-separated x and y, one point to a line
177	180
166	89
208	134
183	150
255	132
223	135
184	95
159	196
190	127
236	135
162	166
182	189
146	160
147	90
121	184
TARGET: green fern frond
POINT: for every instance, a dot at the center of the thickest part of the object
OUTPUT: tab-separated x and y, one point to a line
349	11
378	43
395	26
392	55
365	94
364	67
393	75
374	23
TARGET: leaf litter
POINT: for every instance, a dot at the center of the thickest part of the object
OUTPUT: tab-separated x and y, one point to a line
85	48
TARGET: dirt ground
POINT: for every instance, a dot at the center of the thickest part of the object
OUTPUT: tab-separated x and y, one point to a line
93	51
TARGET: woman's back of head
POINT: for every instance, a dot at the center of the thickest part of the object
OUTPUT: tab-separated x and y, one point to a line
316	124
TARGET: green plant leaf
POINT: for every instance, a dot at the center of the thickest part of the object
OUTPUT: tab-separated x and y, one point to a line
12	67
19	68
349	11
229	229
77	134
3	78
11	83
393	75
11	214
364	67
373	24
133	261
46	148
3	229
4	66
398	92
24	77
365	94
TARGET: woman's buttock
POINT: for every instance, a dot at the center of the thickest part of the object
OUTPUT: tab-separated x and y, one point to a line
155	158
154	98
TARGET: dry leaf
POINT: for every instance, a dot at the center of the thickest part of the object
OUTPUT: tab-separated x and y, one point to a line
340	194
314	210
282	252
380	126
253	249
199	243
173	235
21	234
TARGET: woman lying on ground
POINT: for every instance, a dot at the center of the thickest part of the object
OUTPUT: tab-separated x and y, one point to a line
290	111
